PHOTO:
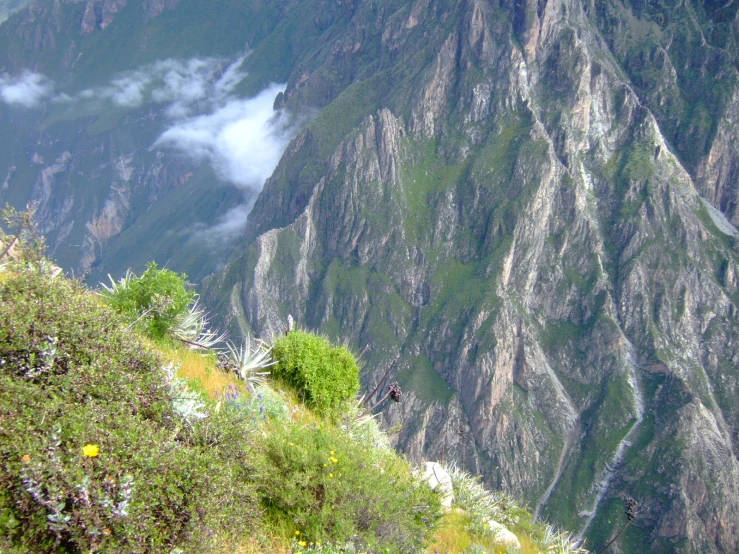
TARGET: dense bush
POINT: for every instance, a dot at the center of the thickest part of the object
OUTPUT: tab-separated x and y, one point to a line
156	300
325	377
319	484
92	455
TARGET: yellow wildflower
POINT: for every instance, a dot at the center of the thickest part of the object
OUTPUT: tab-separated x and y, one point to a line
333	460
302	543
332	452
297	532
90	450
25	458
331	475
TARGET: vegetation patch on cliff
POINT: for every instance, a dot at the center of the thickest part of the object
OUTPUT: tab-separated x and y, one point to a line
120	434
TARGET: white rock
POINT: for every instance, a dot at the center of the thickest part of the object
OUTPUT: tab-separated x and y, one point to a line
503	535
440	481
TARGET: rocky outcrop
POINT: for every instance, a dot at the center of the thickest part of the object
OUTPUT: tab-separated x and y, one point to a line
153	8
98	14
718	172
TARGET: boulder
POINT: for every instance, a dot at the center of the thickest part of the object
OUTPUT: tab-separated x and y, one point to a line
440	481
503	535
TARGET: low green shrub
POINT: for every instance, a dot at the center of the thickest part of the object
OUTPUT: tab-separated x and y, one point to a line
325	377
319	486
93	456
155	301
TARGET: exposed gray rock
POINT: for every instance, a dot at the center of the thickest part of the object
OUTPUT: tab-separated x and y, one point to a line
436	477
99	14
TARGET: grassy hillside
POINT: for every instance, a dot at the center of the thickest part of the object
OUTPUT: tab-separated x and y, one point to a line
117	436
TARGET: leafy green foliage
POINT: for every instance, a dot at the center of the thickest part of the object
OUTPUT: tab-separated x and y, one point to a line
72	376
156	300
318	484
325	377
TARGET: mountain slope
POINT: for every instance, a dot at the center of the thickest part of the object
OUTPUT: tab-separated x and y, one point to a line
87	89
532	205
8	7
504	197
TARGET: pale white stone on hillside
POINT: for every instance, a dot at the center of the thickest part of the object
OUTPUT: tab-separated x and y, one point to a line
440	481
503	535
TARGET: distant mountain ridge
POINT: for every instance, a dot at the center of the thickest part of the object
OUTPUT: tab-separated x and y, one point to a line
86	91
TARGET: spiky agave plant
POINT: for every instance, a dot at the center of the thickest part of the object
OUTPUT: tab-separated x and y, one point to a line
117	287
186	403
481	504
117	290
561	542
192	328
249	360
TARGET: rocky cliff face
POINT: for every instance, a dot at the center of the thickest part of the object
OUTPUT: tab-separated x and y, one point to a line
532	205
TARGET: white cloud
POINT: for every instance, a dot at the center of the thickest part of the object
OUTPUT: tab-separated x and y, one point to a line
242	139
28	90
128	92
229	227
180	83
